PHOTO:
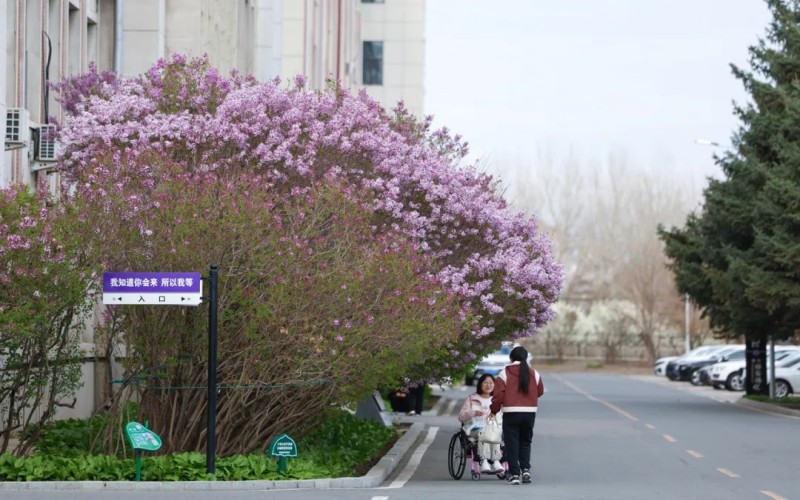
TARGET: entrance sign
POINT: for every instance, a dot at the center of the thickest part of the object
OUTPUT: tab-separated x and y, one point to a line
756	366
182	289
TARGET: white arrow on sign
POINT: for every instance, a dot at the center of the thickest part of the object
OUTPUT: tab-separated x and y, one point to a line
144	299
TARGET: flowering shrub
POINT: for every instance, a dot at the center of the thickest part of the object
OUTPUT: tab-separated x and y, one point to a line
44	281
314	308
290	139
351	245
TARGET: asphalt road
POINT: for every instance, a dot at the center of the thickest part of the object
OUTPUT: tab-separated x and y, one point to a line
597	436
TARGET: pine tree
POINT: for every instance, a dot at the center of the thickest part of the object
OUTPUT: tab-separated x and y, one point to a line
739	258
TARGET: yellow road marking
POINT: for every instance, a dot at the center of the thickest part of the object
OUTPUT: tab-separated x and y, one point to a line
727	472
605	403
695	454
772	495
669	438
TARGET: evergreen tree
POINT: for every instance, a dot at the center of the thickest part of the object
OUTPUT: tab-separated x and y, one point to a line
739	258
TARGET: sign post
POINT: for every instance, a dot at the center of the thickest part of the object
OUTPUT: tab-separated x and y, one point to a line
177	289
282	446
141	439
211	428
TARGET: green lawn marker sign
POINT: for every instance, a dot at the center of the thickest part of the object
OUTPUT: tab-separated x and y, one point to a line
141	439
282	446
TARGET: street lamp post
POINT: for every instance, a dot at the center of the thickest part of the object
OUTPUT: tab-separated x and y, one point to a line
688	319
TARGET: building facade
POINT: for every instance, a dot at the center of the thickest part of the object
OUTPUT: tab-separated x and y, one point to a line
377	45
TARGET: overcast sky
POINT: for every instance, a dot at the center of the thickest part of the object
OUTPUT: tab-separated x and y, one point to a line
645	77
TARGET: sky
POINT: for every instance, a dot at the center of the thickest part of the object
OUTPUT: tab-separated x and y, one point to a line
646	78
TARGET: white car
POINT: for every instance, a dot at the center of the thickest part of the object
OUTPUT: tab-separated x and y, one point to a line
728	374
494	363
660	365
787	378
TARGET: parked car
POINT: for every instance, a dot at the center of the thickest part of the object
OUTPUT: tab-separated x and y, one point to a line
730	374
672	366
493	363
690	370
660	365
704	375
787	378
685	367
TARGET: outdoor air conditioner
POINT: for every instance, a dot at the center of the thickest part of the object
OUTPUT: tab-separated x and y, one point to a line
46	147
17	126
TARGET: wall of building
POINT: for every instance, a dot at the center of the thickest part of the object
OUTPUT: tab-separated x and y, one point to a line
222	29
316	38
72	40
43	41
5	34
400	25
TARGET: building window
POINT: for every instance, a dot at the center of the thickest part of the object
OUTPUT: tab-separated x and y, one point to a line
373	63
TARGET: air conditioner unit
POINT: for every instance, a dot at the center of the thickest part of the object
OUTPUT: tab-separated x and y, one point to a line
17	125
47	146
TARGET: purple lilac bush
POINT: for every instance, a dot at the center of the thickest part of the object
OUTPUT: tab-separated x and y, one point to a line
288	139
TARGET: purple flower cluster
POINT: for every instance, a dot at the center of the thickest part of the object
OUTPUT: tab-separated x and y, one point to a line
183	116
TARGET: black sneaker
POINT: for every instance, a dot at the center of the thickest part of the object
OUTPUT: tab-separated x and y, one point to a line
526	476
513	479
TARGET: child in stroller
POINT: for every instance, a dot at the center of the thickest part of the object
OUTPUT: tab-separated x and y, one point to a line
474	414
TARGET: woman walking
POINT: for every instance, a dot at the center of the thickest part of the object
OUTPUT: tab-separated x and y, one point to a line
516	392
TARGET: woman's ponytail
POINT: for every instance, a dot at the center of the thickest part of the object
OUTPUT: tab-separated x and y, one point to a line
520	354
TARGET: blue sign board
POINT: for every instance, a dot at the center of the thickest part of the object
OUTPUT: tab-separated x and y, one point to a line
152	288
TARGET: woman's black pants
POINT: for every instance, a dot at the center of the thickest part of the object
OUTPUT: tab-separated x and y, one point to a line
517	435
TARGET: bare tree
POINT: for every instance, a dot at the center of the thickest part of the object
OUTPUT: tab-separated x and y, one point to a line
602	219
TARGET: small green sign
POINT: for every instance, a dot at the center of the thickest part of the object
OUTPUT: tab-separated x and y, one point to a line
142	438
282	446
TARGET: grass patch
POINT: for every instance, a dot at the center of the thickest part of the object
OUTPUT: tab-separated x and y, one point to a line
788	400
342	446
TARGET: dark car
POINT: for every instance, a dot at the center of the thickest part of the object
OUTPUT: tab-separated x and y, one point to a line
672	371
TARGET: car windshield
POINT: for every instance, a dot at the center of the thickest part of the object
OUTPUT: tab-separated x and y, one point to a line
736	355
702	351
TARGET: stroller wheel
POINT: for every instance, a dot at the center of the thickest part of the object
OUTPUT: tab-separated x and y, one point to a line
501	475
476	476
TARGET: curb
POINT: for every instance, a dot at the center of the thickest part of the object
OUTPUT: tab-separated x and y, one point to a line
437	407
767	407
376	475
